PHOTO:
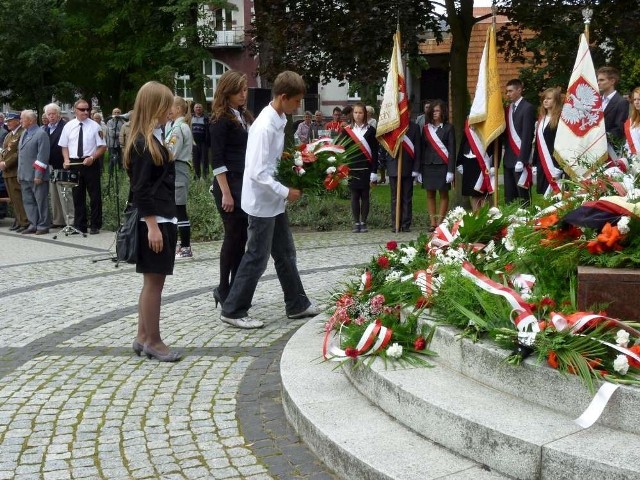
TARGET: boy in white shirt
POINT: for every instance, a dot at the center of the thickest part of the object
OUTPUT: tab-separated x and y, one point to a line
263	199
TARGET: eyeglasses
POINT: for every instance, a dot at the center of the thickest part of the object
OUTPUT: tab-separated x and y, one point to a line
83	109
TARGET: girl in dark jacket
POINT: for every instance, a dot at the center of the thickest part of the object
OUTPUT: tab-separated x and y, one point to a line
152	173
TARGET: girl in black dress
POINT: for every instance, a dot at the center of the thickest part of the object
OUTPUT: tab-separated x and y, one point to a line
152	173
549	170
438	159
363	167
229	132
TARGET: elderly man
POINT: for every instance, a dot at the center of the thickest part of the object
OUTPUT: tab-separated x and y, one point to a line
9	167
4	129
82	143
33	173
59	207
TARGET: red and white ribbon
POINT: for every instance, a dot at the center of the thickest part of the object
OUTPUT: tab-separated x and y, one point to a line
514	139
483	183
409	147
375	338
39	166
546	160
361	142
435	142
632	134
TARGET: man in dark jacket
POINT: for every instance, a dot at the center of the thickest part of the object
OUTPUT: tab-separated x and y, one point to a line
54	128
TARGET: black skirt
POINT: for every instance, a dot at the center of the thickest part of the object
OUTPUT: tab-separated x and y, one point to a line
148	260
234	179
470	174
434	177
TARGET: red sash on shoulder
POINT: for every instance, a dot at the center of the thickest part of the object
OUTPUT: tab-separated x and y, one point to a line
409	147
436	143
546	160
362	143
631	141
514	139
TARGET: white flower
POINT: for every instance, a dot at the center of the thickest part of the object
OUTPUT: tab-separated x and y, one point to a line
298	161
633	194
331	170
623	225
394	276
620	364
331	159
301	171
622	338
395	351
409	255
494	214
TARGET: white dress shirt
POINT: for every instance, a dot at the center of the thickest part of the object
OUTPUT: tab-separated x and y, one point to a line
262	195
92	137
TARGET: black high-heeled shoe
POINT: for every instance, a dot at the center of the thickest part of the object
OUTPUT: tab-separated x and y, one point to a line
217	298
137	347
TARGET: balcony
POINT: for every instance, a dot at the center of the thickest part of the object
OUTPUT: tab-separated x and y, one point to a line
233	37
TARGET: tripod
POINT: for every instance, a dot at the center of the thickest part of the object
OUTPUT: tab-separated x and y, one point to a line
68	229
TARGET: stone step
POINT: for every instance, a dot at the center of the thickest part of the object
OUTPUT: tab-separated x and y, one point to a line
350	434
532	381
508	434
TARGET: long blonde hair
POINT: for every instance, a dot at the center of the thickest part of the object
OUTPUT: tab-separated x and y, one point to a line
152	103
556	110
185	106
635	114
230	83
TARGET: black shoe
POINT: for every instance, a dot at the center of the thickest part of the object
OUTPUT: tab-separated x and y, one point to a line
406	229
94	231
218	298
28	231
356	228
14	227
363	228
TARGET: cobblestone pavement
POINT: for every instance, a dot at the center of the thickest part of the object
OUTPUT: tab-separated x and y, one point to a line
76	403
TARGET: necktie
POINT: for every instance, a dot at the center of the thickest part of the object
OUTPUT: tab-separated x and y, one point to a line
514	108
80	144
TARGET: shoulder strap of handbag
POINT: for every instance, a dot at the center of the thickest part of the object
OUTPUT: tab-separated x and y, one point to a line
155	185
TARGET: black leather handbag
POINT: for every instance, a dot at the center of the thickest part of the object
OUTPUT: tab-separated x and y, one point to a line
127	236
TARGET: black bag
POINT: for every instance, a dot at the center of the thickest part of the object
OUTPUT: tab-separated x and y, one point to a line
127	236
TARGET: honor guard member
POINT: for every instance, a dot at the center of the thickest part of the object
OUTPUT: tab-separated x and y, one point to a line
9	167
82	142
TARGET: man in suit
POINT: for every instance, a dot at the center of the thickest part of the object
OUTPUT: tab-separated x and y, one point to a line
9	167
518	144
54	128
615	107
33	173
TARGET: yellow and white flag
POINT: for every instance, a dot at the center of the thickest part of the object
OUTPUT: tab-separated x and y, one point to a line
486	118
581	139
393	121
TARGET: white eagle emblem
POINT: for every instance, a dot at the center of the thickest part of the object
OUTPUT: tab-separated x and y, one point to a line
582	108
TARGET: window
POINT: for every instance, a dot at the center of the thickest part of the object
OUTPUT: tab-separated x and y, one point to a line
212	69
223	20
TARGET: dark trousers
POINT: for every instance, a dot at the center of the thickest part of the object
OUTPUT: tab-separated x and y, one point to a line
360	204
88	182
267	236
512	191
235	233
200	158
406	200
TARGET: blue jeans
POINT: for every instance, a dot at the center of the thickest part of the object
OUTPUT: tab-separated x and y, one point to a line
267	236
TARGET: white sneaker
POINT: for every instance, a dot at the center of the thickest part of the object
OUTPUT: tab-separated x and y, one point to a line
245	322
184	253
311	311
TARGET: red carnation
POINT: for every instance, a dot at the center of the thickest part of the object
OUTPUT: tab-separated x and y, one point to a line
383	262
392	245
422	302
632	361
547	302
351	352
419	343
552	360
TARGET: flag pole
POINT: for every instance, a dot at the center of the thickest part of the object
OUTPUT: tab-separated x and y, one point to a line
398	192
496	143
587	13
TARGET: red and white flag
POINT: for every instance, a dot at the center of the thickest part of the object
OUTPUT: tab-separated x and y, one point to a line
581	140
393	121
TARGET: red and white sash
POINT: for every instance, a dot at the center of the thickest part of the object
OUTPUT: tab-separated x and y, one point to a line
436	143
514	139
483	184
409	147
361	142
546	160
633	137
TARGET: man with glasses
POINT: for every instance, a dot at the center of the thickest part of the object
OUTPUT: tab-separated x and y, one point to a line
82	142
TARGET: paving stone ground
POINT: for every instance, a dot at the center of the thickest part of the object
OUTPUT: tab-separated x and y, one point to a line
76	403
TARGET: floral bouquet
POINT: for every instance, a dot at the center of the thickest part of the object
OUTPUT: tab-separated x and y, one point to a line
316	167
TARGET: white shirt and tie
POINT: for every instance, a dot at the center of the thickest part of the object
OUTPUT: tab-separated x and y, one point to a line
92	138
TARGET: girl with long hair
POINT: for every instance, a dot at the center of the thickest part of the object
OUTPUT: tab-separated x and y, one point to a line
549	171
179	141
632	125
228	130
152	173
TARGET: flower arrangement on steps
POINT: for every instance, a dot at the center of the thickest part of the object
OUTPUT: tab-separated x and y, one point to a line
508	274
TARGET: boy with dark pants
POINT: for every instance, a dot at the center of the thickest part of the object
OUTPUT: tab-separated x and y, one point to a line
263	199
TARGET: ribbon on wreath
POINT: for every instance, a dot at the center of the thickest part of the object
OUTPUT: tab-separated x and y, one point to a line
375	338
442	236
